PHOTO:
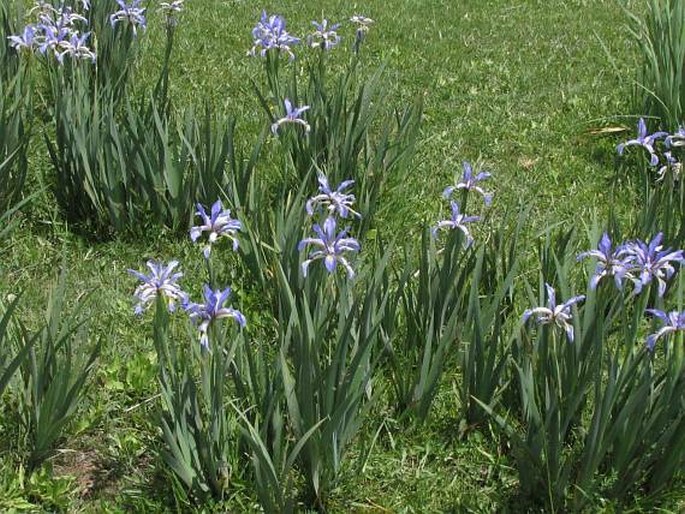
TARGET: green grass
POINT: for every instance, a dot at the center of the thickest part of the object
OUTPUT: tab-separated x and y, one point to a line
515	85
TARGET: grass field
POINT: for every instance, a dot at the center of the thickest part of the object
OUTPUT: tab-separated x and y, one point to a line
520	86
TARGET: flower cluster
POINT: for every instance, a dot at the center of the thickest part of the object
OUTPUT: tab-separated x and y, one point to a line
639	261
218	223
57	33
663	155
270	34
163	281
330	245
469	182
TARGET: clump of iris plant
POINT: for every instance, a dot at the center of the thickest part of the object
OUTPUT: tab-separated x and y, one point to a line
270	34
674	321
162	281
457	221
292	115
131	13
213	309
469	182
553	314
324	37
218	223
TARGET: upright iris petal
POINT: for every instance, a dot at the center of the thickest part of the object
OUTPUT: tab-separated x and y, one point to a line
161	281
553	314
218	224
331	247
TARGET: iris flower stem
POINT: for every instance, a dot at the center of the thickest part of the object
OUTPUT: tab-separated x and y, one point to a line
210	273
272	72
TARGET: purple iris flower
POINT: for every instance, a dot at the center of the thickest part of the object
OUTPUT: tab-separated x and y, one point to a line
363	23
170	8
469	182
650	261
270	33
218	223
610	263
52	38
674	321
335	201
25	41
76	47
324	37
61	18
457	221
677	139
204	314
559	315
644	140
292	115
161	281
130	12
672	164
331	246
